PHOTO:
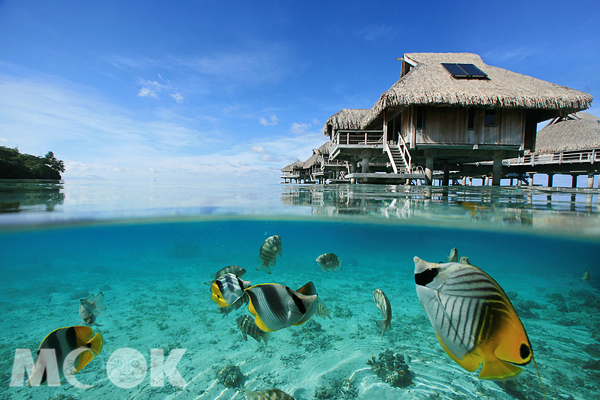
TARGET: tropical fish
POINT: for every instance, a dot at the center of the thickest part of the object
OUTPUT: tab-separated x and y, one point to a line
329	262
248	327
230	269
63	341
276	306
322	311
269	394
268	253
586	276
385	307
473	319
453	256
235	306
228	289
90	308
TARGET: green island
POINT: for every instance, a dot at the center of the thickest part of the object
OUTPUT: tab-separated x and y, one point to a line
14	165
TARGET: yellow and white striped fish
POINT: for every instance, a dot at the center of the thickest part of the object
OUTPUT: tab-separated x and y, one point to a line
276	306
269	250
63	341
228	289
473	319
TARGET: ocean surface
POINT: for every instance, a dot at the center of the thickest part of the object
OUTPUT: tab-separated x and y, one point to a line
151	247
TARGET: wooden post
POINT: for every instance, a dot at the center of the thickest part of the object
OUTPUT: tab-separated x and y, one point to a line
550	179
464	180
497	168
365	165
590	180
446	178
531	179
486	181
573	181
429	154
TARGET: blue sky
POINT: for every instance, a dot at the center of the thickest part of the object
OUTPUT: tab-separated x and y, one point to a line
236	90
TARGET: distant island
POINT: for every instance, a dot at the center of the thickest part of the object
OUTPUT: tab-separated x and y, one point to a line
14	165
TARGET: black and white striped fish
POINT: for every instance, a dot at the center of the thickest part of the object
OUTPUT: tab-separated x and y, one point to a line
63	341
248	327
276	306
269	394
267	255
473	319
385	307
228	289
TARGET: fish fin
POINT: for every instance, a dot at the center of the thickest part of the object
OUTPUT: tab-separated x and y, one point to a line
494	368
308	290
470	361
341	264
265	337
99	304
264	267
94	345
209	283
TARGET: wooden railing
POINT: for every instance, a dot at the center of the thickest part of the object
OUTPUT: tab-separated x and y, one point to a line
567	157
358	138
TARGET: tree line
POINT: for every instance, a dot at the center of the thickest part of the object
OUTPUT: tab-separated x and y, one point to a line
14	165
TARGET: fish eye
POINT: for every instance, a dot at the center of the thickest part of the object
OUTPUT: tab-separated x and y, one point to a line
524	351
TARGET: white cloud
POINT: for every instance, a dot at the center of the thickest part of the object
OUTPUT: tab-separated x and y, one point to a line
372	32
178	97
273	121
147	92
299	128
258	149
3	140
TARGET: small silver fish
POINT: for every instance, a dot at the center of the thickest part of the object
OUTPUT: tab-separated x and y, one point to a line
248	327
586	276
90	308
269	250
385	307
269	394
329	262
322	311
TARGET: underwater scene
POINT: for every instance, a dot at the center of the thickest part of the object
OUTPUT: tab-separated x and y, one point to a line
154	291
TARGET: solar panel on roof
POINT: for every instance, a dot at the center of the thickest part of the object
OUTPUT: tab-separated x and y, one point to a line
455	70
473	71
464	71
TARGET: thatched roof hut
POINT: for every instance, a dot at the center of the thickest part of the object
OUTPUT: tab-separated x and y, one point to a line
427	82
293	166
312	160
579	131
345	119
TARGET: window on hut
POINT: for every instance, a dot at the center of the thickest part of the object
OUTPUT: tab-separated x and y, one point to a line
490	117
419	123
471	118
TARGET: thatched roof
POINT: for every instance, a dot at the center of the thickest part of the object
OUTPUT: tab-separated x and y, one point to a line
345	119
579	131
312	160
293	166
429	83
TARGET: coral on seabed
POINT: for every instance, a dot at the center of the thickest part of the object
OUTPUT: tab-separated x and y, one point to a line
343	389
391	369
230	376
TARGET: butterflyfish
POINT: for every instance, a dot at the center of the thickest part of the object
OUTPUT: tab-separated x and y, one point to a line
63	341
276	306
473	319
91	308
269	394
329	262
383	303
267	255
228	289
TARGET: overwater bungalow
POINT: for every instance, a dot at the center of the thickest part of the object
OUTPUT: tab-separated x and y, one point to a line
448	109
570	145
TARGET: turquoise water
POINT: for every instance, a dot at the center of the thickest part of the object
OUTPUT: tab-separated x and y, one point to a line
150	248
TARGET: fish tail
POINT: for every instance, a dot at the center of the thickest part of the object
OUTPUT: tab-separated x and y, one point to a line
341	263
264	267
384	327
265	337
96	344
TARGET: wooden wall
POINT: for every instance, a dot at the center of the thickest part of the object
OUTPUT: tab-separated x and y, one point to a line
448	126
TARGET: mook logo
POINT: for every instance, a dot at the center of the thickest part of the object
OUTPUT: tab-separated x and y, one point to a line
125	368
